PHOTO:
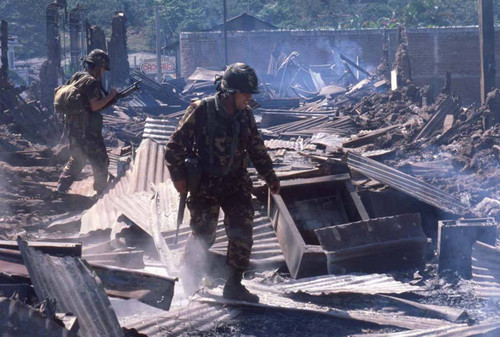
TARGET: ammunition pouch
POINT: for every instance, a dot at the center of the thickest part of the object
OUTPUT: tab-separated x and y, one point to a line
193	173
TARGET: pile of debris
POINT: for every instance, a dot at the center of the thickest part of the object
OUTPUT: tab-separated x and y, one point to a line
386	224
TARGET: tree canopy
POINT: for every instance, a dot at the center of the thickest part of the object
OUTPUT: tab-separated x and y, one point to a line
27	17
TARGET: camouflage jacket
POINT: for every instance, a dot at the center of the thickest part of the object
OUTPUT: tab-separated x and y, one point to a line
91	88
235	139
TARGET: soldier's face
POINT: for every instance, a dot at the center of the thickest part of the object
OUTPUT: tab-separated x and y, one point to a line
242	99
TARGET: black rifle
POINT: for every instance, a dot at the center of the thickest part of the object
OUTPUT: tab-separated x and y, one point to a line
124	93
193	180
180	213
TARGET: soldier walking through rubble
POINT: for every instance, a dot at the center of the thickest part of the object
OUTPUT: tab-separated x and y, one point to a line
219	133
85	125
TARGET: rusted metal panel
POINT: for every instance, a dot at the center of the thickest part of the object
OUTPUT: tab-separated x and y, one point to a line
455	240
405	183
196	318
75	288
486	271
320	196
357	284
490	329
375	245
18	319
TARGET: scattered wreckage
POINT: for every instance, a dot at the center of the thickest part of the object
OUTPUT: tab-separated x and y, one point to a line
382	191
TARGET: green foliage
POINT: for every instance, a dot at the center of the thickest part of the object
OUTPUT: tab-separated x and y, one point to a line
27	17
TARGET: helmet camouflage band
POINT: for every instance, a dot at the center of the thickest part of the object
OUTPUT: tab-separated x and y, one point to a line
98	57
240	77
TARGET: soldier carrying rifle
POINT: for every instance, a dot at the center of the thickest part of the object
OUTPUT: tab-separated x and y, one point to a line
211	146
80	102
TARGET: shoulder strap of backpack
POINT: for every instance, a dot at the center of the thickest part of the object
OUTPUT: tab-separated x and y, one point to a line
210	101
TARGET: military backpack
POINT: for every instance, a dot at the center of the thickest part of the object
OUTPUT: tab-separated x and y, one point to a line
70	102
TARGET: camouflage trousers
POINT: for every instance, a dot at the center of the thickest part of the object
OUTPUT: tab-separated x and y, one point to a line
93	149
233	195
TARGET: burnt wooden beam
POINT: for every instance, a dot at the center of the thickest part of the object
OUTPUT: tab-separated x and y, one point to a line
5	46
486	47
352	63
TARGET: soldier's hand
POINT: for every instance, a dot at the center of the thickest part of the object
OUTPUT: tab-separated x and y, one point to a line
275	187
180	186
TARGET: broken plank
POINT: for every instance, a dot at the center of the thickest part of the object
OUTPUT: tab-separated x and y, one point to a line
368	137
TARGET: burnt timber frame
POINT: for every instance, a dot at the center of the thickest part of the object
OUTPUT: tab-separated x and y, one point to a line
303	259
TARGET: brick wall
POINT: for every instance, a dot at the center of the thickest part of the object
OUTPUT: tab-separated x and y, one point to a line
432	51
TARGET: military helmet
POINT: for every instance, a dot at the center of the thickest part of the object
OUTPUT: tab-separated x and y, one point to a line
98	57
240	77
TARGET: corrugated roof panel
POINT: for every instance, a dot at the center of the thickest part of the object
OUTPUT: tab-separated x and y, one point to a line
486	270
405	183
266	249
282	144
103	213
455	330
19	319
149	166
359	284
196	317
76	289
270	298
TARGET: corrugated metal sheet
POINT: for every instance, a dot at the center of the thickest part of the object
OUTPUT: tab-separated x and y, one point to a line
195	318
103	213
486	270
75	288
492	328
282	144
270	299
342	126
358	284
19	319
159	128
405	183
266	250
148	167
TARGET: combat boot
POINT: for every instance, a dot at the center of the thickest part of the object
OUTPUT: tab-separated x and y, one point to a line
234	290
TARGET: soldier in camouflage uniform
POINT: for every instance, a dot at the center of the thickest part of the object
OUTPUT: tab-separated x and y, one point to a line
221	132
85	129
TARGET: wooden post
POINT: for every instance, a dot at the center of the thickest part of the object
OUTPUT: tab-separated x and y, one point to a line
5	47
225	33
158	46
486	47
